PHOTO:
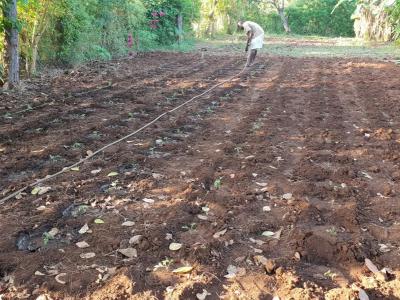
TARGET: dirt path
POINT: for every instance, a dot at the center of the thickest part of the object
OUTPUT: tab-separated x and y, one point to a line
303	148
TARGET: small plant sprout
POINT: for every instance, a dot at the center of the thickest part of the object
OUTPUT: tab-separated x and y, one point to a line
77	145
46	238
190	227
332	231
218	183
166	263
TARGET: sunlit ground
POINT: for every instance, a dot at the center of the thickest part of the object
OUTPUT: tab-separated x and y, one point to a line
313	46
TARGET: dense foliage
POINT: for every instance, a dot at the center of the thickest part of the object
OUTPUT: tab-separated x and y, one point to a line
315	17
395	19
73	31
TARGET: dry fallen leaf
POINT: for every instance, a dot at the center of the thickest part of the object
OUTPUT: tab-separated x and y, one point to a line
94	172
128	224
267	208
112	174
40	190
128	252
202	217
258	242
84	229
362	295
98	221
183	270
273	235
262	184
205	209
87	255
135	239
148	200
297	256
175	246
203	295
53	232
370	265
287	196
234	271
58	278
82	245
384	248
268	233
157	176
38	273
218	234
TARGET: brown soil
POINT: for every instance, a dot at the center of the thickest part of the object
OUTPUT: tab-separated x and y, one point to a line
324	130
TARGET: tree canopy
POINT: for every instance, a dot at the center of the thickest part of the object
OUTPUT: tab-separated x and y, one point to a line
73	31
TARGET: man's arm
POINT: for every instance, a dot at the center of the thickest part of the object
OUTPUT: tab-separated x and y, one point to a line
250	35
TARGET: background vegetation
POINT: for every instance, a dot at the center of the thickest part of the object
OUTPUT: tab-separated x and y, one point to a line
69	32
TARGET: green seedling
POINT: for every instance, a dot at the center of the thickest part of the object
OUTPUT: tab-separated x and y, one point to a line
218	183
55	158
332	231
330	274
77	146
46	238
256	126
7	116
166	263
190	227
238	150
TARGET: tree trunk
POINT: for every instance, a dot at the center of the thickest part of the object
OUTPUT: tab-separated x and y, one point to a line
179	23
284	20
11	35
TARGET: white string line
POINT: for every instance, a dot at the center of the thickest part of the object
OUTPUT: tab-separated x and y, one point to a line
48	177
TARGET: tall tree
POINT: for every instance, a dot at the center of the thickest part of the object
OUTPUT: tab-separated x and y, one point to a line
280	7
11	36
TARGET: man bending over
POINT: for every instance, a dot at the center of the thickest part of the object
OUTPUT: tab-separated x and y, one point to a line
255	39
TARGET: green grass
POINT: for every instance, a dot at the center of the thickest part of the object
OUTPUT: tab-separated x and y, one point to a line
308	46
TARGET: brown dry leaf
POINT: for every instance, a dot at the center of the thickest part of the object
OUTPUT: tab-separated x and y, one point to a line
53	232
175	246
183	270
273	235
259	259
84	229
267	208
135	239
232	271
287	196
128	224
40	190
203	295
94	172
82	245
128	252
58	278
202	217
148	200
38	273
218	234
370	265
362	295
87	255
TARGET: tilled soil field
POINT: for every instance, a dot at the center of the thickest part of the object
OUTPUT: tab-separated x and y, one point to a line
280	183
